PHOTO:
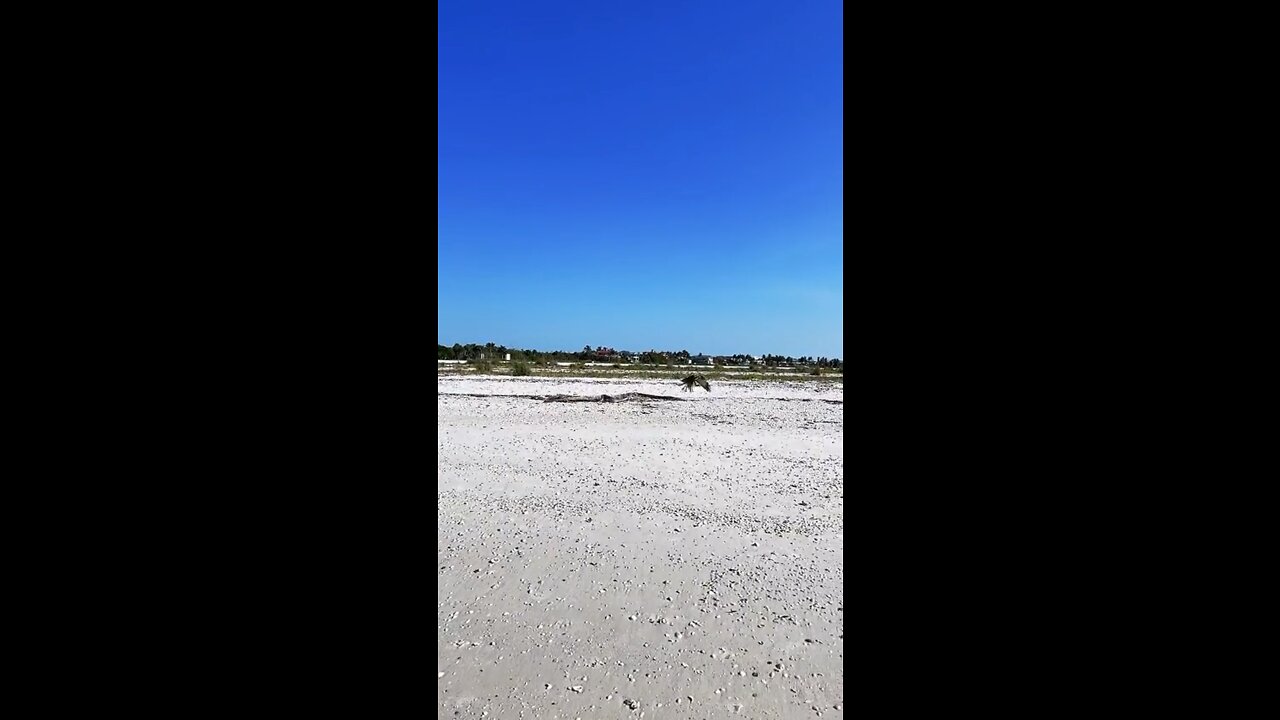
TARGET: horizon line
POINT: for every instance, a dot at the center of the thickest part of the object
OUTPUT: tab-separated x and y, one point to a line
638	352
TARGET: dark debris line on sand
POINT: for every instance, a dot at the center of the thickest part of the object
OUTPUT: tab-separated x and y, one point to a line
486	395
616	398
624	397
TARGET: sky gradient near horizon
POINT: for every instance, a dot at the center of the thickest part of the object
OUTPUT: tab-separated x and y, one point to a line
657	175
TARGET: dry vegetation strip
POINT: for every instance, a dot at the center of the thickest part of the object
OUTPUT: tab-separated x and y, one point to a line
676	373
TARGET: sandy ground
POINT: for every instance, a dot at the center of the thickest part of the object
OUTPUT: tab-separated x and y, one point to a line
656	560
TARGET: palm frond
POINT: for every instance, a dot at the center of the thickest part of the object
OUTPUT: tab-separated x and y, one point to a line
692	380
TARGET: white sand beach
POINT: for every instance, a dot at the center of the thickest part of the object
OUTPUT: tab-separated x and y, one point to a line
641	559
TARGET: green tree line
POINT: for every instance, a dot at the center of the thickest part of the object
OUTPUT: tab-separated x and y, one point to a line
492	351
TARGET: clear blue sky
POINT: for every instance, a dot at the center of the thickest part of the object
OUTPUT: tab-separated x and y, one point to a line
640	175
